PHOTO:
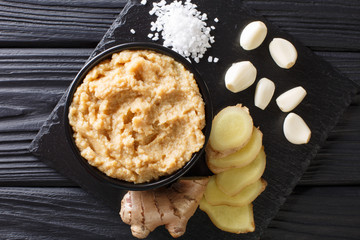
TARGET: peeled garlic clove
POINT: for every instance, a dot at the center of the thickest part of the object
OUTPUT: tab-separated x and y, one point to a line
290	99
253	35
240	76
265	89
295	129
283	52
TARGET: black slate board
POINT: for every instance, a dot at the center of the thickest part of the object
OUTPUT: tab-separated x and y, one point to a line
329	94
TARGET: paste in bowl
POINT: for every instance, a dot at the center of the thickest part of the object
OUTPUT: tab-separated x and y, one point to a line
138	116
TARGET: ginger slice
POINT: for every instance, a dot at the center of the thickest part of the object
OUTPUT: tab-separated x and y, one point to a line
170	206
216	170
240	158
229	218
234	180
231	129
215	196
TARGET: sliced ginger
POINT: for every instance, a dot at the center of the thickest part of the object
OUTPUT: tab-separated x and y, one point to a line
240	158
231	129
215	196
236	156
234	180
170	206
230	218
215	169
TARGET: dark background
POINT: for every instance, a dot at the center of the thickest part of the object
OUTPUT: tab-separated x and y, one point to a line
45	43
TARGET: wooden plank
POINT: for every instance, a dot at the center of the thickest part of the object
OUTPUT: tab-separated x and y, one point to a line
33	80
31	83
65	23
70	213
318	213
62	213
56	23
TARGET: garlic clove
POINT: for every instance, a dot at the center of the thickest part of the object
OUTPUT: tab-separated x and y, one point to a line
283	52
265	89
296	130
240	76
253	35
291	98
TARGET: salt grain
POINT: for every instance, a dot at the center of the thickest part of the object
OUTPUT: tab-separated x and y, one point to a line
182	27
216	59
143	2
132	31
216	20
210	59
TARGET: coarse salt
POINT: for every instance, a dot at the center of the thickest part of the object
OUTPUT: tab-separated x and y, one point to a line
143	2
132	31
182	27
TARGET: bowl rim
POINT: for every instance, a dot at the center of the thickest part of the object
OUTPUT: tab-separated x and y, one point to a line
164	180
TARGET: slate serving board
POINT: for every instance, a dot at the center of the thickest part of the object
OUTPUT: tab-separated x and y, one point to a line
329	93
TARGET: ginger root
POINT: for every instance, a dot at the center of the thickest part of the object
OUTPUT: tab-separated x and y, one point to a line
170	206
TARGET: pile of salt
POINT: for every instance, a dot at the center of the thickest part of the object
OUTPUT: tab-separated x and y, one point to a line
182	27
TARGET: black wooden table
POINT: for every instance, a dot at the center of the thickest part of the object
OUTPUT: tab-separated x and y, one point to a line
43	46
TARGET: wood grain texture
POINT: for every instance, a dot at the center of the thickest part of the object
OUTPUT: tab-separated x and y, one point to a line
33	80
318	213
319	24
55	213
31	83
56	23
70	213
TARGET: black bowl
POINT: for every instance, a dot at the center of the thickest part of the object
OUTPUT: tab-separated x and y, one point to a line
164	180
